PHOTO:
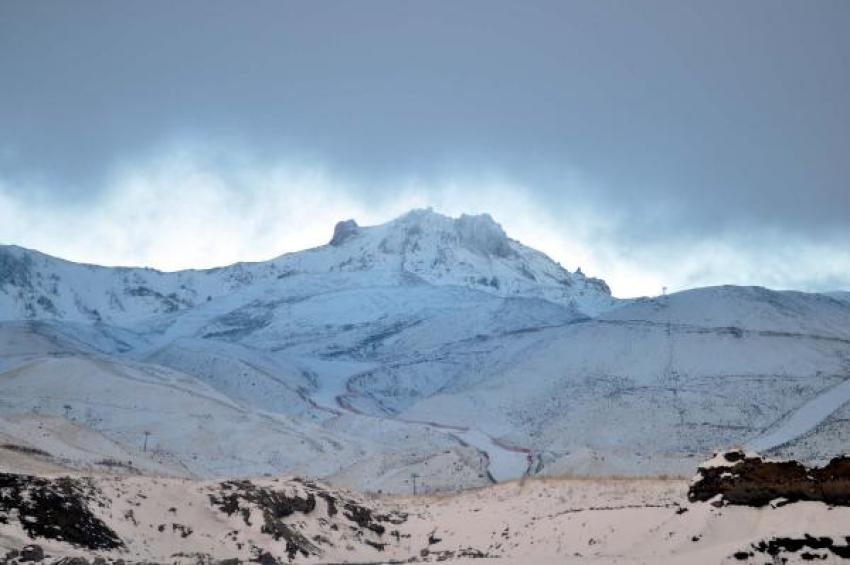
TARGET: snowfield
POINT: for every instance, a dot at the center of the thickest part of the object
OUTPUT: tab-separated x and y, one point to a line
428	346
274	520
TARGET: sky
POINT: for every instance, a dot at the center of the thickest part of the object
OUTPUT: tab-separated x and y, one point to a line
652	143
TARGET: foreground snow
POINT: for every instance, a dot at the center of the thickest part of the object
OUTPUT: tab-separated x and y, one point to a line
535	521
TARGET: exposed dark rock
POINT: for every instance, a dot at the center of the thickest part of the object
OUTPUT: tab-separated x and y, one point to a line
752	481
343	231
193	558
482	234
468	552
244	320
274	505
14	270
31	553
185	531
776	546
170	303
277	502
55	509
47	305
376	545
295	542
362	516
331	503
265	558
73	561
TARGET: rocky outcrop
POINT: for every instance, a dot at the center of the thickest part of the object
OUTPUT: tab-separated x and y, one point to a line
263	520
275	505
739	478
482	234
343	231
807	548
31	552
55	509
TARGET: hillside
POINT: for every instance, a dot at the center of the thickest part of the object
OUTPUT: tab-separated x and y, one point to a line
140	520
427	345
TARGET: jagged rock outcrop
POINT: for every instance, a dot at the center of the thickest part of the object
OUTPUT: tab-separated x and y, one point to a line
481	233
55	509
343	231
262	520
747	479
809	548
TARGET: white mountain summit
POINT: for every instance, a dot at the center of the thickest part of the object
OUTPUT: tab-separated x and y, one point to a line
470	251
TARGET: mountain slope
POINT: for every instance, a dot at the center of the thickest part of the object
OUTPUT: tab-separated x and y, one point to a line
625	389
426	345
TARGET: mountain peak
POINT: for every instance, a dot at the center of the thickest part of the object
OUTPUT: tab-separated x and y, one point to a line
482	233
478	233
471	250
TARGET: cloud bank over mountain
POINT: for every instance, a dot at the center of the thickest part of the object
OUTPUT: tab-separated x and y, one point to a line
654	145
192	206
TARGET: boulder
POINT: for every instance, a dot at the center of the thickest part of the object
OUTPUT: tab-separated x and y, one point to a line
31	553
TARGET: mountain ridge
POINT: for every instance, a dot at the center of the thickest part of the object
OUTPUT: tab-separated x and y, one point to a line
429	345
470	251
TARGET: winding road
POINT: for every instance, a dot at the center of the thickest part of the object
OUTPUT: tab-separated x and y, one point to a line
504	462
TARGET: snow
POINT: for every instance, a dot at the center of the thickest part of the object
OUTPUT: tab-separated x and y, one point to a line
471	251
804	418
335	377
843	295
504	464
546	521
430	345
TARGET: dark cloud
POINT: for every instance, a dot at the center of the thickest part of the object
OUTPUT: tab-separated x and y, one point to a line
691	118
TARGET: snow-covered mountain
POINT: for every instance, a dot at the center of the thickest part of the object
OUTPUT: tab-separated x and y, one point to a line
843	295
421	246
426	345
